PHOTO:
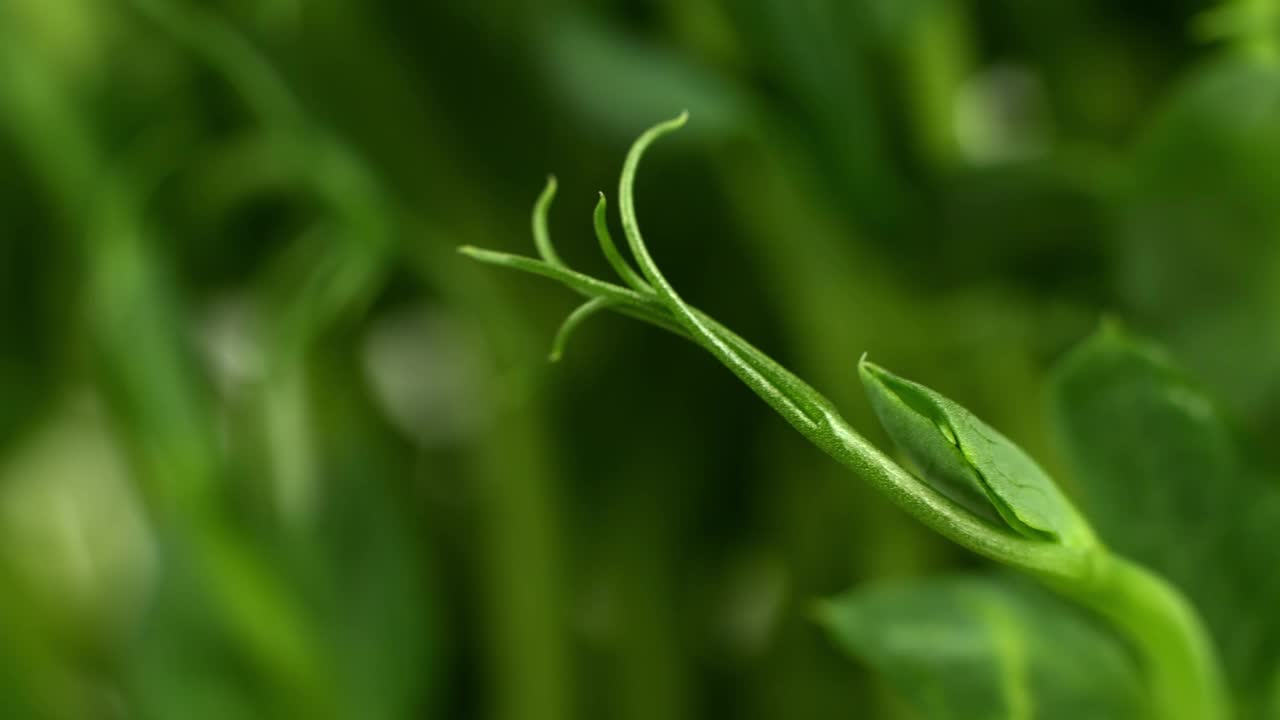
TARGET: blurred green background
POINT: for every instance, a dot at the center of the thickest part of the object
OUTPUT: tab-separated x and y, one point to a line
270	449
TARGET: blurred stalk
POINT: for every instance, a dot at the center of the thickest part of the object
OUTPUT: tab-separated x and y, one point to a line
937	58
42	123
642	550
150	380
511	470
524	609
811	51
829	322
34	682
343	268
523	600
528	651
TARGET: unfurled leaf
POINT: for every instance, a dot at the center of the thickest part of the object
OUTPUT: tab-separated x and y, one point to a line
1164	484
987	648
970	461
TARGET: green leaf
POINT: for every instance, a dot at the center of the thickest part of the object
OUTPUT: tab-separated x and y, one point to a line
987	648
1164	484
970	461
1197	259
586	60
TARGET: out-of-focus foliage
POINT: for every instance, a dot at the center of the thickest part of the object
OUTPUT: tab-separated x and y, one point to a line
976	647
1163	480
268	448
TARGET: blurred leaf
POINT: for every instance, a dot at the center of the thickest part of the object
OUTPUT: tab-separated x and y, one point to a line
1162	481
369	584
620	83
1200	258
813	67
987	648
1037	226
183	664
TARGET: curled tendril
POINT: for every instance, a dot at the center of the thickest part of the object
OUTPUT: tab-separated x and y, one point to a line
541	237
576	318
615	258
649	297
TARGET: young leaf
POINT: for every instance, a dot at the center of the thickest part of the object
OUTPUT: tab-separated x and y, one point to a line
1162	480
970	461
993	648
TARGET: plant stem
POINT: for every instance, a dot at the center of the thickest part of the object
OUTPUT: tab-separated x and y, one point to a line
1180	663
1179	660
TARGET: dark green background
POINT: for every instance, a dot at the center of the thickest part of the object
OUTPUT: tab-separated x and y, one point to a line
270	448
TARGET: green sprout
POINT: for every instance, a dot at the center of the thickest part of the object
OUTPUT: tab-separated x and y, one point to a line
973	485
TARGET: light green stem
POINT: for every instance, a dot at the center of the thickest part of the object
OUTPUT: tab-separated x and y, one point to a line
1179	660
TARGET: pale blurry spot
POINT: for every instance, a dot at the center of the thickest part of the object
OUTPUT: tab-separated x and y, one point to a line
1194	404
73	33
427	375
1002	115
229	338
287	410
755	596
72	527
946	643
587	61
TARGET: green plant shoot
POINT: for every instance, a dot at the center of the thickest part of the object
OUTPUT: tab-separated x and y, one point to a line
974	487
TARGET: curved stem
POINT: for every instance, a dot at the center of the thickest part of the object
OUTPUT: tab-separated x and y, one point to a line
815	417
1179	659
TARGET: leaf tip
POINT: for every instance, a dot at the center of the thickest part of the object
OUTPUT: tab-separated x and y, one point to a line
541	236
548	194
871	372
667	126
